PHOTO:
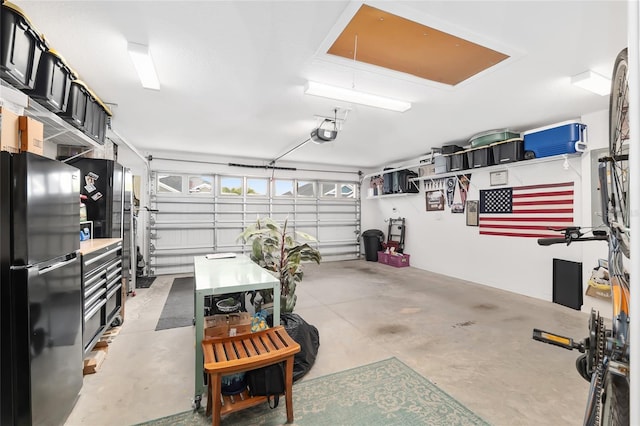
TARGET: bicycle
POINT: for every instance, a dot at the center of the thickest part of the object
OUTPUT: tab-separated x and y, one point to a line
604	362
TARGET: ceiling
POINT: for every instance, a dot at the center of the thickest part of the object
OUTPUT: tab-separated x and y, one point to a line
232	73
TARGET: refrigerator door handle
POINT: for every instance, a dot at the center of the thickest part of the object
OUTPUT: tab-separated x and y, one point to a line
70	258
57	265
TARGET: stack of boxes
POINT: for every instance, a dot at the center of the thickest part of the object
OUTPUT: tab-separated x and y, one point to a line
20	133
226	325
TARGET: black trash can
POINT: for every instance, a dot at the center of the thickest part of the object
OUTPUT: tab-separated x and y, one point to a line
372	243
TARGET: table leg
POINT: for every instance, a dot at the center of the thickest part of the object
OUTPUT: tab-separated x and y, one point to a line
216	388
276	304
199	360
288	380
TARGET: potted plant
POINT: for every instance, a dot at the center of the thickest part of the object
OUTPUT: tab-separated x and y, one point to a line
276	249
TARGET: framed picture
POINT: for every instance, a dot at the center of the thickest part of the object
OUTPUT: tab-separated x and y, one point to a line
472	212
498	178
435	200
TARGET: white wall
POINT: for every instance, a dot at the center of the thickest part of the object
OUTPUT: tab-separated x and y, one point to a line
441	242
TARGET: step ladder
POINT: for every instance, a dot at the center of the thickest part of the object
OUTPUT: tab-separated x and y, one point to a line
395	235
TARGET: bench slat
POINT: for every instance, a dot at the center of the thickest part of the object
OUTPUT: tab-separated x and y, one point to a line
266	341
218	348
242	352
230	350
251	351
257	343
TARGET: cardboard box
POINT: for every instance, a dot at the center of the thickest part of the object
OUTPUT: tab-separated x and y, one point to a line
9	134
225	325
216	326
31	135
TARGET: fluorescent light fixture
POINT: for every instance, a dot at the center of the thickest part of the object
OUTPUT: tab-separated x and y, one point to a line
354	96
592	82
141	58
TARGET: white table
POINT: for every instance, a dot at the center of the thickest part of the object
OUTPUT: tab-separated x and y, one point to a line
223	276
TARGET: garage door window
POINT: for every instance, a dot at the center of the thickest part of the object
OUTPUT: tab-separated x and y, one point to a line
230	185
347	190
200	184
328	190
283	188
257	187
169	184
305	189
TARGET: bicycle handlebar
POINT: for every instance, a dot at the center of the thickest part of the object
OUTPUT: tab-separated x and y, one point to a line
551	241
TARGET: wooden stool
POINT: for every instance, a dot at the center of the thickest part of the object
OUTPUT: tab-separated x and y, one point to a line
228	355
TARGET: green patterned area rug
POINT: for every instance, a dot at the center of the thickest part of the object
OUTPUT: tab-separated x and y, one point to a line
383	393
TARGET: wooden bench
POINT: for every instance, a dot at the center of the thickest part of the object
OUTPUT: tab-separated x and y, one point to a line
228	355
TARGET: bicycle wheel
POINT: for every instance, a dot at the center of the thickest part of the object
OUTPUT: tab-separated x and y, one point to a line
615	401
618	176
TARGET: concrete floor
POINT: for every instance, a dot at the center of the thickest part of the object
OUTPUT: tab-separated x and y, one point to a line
473	341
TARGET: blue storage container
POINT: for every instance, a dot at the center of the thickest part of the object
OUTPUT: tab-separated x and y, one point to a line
561	138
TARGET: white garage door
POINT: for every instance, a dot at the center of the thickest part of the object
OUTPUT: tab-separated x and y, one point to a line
195	215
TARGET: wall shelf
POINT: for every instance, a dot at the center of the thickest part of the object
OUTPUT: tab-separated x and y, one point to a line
497	167
401	194
56	129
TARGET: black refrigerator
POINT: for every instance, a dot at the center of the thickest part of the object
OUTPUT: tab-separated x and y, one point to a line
40	290
102	181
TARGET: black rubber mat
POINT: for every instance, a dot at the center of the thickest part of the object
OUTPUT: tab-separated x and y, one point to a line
178	309
144	282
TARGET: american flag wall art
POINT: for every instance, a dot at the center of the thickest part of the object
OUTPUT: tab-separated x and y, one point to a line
526	211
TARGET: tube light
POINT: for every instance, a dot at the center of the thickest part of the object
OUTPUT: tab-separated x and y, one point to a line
592	82
354	96
143	63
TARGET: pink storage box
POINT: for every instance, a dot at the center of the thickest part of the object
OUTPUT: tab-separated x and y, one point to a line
399	261
383	257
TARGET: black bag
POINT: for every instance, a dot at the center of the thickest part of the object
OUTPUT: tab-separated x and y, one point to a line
304	334
267	381
307	336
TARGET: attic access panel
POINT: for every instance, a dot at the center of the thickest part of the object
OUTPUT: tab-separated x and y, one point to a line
399	44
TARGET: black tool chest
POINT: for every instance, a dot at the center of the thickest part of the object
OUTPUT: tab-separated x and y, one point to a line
102	290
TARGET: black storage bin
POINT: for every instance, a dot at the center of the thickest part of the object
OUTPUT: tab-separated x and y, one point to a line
405	185
76	110
20	47
451	149
458	161
508	151
91	117
387	182
95	121
395	182
480	157
53	82
372	239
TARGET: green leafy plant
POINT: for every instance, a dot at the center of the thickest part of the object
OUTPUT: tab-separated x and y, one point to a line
277	249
